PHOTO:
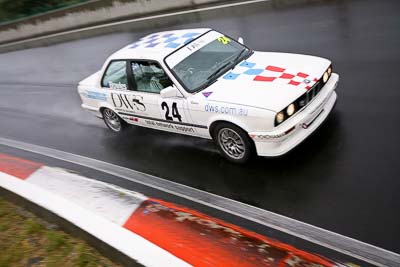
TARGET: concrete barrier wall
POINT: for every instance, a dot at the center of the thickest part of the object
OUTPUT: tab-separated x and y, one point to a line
36	32
93	13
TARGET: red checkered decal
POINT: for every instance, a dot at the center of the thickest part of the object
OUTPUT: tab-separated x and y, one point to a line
294	79
272	74
264	79
302	75
286	76
273	68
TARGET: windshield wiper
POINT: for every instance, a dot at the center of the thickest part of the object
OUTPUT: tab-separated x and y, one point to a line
226	65
215	74
210	79
239	55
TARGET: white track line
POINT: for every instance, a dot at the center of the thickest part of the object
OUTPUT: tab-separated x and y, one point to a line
133	20
346	245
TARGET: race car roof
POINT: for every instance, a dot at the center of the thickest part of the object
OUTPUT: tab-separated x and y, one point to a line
158	45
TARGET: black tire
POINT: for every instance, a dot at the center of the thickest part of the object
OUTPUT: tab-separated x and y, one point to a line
113	121
233	142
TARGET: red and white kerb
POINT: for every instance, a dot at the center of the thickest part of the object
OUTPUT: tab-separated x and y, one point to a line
160	232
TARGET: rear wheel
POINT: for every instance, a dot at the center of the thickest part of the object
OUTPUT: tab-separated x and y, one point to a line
233	142
113	121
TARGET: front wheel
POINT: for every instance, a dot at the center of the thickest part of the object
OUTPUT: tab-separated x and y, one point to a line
113	121
233	142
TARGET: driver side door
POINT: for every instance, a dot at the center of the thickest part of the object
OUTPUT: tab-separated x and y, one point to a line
168	114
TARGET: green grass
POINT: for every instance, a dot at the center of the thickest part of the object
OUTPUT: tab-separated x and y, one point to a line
26	240
56	242
32	227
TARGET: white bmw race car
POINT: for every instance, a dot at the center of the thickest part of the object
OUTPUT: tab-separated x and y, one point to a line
202	83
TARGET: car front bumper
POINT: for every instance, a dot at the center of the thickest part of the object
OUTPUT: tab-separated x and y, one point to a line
293	131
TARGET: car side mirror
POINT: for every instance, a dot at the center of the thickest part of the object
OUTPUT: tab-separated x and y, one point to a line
240	40
170	91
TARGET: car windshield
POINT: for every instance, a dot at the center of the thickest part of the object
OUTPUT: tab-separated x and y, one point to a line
202	61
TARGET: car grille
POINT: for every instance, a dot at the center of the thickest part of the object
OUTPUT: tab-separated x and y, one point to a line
309	95
301	102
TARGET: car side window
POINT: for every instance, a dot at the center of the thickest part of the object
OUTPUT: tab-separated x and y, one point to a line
149	77
115	76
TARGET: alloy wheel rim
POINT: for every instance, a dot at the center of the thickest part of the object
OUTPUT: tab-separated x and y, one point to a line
112	120
231	143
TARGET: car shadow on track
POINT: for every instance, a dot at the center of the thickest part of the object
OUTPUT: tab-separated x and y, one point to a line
196	162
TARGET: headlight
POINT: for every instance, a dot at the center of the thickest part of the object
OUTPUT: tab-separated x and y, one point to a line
325	77
280	117
290	109
329	71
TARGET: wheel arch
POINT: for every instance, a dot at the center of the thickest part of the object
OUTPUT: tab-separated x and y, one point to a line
105	105
212	124
250	147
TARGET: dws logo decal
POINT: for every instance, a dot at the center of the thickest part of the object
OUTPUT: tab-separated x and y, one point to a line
130	102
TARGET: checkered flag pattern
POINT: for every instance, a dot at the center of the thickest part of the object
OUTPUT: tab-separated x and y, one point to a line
272	74
166	40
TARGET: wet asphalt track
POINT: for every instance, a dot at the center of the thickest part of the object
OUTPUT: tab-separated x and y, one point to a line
345	178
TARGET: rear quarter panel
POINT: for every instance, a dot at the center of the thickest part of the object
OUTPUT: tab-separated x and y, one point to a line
92	95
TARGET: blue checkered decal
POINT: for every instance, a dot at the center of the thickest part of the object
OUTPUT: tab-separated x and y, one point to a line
168	40
247	64
250	71
231	76
253	71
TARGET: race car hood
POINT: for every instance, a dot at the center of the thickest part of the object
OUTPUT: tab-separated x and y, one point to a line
267	80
